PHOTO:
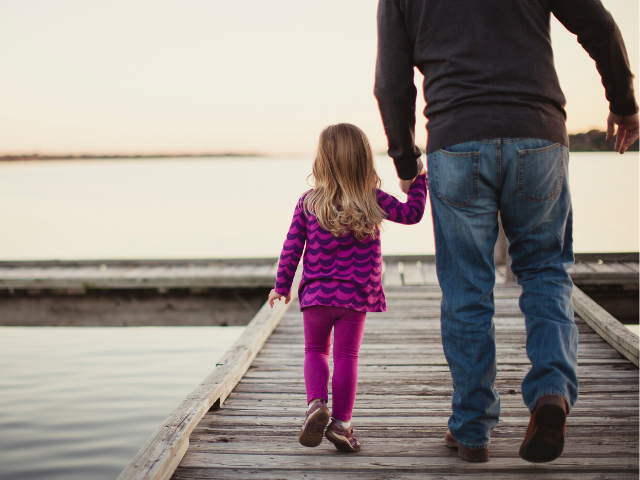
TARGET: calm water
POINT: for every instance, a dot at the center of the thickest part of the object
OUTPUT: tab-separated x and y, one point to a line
79	402
240	207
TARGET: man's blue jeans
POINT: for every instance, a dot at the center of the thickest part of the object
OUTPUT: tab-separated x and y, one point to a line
526	180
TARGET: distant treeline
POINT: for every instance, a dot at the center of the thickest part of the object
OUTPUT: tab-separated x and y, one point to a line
594	141
93	157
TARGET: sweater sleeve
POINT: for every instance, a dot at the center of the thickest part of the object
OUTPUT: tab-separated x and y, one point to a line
410	212
599	35
394	88
291	251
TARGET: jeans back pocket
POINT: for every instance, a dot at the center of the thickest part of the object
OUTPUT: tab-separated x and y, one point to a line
456	175
540	172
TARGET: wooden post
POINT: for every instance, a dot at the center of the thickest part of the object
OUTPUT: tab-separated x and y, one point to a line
501	253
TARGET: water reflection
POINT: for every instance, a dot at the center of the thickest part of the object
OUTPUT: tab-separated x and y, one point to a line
78	402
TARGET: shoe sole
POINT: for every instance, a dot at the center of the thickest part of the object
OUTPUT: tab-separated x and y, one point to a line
313	428
340	442
468	454
547	442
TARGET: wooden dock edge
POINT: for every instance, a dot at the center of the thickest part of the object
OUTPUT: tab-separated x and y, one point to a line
161	455
605	325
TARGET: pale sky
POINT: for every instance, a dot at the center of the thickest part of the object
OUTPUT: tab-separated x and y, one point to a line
192	76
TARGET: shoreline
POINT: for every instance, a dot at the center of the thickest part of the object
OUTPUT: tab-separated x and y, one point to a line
593	141
29	158
39	158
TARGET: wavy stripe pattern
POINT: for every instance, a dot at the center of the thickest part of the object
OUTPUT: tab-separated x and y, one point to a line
342	271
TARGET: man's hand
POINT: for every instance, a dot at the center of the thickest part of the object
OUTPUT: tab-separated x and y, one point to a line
273	296
627	130
405	185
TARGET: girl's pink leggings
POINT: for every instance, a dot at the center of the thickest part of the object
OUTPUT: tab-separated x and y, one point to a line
348	326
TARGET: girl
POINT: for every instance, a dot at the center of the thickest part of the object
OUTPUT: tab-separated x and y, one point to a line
340	222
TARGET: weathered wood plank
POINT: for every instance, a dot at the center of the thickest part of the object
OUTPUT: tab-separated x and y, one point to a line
235	422
249	405
260	272
606	326
162	453
399	360
443	464
143	276
392	277
620	267
608	257
601	267
611	277
579	267
430	273
413	273
408	435
393	447
386	473
369	400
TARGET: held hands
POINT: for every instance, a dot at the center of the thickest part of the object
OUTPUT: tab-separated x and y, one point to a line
405	185
273	296
627	130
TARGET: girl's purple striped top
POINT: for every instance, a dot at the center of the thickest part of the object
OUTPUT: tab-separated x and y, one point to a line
342	271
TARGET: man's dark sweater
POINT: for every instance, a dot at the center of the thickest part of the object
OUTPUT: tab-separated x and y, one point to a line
488	69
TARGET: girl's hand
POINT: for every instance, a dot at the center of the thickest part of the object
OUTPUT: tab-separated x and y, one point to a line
273	296
405	185
422	169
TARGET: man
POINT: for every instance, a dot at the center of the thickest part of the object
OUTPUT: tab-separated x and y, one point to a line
498	143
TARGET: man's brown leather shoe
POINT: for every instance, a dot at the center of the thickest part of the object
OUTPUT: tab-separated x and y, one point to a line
468	454
544	440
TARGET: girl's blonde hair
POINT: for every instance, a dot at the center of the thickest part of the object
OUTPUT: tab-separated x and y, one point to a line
346	184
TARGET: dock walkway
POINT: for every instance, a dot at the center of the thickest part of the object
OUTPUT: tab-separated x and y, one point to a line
404	401
79	276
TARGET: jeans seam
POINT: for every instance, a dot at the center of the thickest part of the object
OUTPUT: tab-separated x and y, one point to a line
521	162
470	445
552	392
475	174
539	150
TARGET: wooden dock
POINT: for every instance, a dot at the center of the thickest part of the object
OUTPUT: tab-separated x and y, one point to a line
79	276
402	406
228	291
